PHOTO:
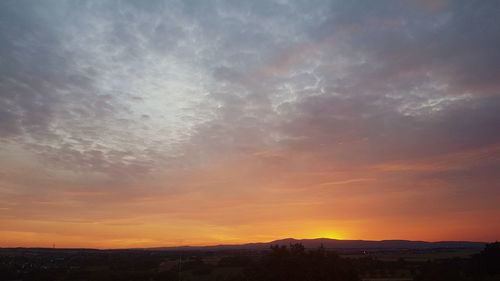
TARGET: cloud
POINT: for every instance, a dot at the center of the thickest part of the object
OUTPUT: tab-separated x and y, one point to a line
245	107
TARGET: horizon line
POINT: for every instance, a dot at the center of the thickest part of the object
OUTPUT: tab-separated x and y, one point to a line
237	244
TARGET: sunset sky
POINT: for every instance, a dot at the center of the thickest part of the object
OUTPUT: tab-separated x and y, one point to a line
160	123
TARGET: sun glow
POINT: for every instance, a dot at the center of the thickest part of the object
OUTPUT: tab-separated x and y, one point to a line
330	235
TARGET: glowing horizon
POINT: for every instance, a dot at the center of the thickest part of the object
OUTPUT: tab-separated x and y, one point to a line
165	123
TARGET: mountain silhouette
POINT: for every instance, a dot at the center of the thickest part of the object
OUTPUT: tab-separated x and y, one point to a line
339	244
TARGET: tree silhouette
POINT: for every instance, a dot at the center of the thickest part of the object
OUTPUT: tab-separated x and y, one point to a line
295	263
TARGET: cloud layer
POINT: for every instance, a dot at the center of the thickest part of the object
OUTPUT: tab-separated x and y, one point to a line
242	120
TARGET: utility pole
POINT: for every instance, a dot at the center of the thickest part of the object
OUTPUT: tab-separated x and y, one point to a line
180	265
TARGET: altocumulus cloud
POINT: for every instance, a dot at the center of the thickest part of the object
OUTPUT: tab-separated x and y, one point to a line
97	93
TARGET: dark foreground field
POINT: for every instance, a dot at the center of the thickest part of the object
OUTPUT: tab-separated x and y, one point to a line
280	262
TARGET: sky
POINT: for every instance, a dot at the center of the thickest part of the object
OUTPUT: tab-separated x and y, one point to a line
160	123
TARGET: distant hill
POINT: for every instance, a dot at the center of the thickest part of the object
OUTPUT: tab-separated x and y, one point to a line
340	244
308	243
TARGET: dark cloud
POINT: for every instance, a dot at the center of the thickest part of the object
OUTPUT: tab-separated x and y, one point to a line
399	43
364	128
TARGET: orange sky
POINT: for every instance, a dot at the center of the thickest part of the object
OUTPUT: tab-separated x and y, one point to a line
258	197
